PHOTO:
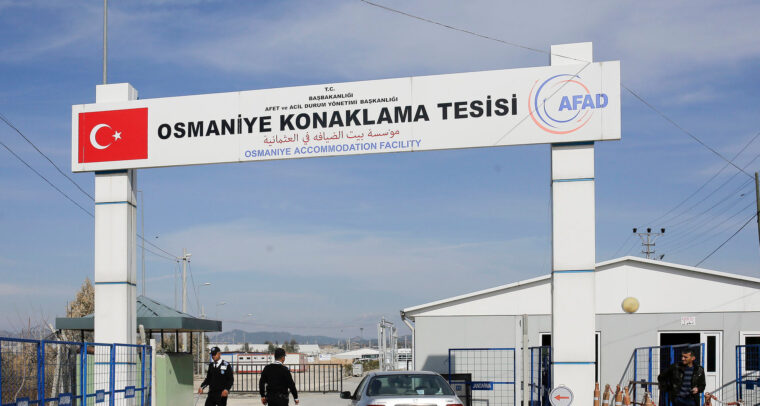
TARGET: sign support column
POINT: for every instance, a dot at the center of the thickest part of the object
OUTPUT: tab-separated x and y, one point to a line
573	254
115	254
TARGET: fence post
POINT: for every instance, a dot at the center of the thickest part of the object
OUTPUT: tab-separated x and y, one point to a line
1	371
635	371
738	372
649	378
531	377
142	378
83	371
112	375
449	366
41	372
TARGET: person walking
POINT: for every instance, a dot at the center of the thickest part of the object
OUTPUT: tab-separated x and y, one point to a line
684	381
275	382
219	379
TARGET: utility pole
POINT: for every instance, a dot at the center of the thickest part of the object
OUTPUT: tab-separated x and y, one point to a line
105	41
648	242
142	220
757	203
185	260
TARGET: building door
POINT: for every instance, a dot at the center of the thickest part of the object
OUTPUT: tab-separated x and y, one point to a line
713	345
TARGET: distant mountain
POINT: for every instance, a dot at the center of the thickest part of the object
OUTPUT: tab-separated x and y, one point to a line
259	337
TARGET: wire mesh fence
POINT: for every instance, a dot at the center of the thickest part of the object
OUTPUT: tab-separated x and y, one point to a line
42	372
540	375
489	372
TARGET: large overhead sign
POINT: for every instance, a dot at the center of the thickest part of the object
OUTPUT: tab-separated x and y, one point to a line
553	104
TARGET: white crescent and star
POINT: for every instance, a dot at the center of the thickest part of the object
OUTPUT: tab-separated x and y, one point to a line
116	136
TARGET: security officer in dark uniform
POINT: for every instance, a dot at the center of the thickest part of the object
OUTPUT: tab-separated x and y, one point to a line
275	382
219	379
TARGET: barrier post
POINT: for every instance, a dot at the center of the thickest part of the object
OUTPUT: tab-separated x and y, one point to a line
112	375
531	377
83	383
41	372
1	371
142	378
649	377
738	372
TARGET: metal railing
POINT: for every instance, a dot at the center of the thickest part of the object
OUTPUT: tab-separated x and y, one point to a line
38	372
322	378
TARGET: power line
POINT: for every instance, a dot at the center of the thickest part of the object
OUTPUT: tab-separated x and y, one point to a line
46	180
702	240
514	44
7	122
622	245
708	181
11	125
729	239
671	121
157	254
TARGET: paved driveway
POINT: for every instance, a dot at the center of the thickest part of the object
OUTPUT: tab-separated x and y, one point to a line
307	399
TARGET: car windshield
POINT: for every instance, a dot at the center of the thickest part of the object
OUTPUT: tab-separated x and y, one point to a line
408	385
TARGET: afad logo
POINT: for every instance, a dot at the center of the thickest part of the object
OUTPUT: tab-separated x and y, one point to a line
562	104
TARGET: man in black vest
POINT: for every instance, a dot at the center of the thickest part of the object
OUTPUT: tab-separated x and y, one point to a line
275	382
218	378
684	381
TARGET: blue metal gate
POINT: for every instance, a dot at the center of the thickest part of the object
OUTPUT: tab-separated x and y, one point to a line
41	372
540	375
748	374
491	374
647	363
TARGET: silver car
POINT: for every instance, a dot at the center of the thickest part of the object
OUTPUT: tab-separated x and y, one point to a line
403	388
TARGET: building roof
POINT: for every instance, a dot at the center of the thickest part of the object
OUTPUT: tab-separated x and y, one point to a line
533	296
153	316
357	353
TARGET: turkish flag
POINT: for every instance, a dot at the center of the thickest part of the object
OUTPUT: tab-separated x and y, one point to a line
117	135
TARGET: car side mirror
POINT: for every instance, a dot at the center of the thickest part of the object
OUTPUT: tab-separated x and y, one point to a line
345	395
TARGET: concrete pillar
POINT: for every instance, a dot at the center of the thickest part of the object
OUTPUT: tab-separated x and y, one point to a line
573	255
115	260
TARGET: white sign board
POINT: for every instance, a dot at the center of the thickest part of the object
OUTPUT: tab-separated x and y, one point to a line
688	320
552	104
325	357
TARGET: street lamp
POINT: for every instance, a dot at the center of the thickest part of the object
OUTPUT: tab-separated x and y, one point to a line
203	316
217	308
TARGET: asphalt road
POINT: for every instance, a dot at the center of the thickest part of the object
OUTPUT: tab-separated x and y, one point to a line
307	399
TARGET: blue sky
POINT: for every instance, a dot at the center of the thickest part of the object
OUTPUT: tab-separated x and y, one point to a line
340	242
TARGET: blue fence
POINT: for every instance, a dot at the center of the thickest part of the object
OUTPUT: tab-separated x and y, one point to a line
489	374
540	375
60	373
646	363
748	374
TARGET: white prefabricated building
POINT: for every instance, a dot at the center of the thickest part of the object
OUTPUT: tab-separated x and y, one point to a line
678	304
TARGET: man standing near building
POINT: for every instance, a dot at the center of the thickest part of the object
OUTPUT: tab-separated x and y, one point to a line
219	379
684	381
275	382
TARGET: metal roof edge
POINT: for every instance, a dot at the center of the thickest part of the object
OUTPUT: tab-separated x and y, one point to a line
474	294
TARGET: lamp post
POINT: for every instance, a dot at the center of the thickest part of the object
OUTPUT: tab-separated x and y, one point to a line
203	316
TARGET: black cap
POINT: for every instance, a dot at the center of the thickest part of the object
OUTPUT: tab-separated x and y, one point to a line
215	350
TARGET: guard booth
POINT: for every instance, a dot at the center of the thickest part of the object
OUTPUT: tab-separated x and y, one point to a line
173	366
